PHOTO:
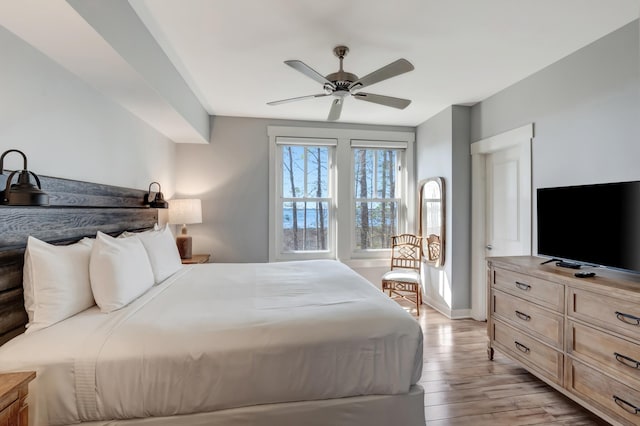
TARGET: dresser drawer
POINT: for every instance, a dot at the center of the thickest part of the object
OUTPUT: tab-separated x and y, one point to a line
545	293
614	314
616	399
7	399
9	416
621	357
543	324
535	355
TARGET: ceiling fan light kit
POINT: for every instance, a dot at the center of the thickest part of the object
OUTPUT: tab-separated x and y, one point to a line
342	84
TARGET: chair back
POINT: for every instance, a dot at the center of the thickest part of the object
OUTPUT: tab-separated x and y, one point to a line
406	252
433	248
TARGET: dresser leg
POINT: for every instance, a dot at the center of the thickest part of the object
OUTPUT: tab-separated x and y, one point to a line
490	353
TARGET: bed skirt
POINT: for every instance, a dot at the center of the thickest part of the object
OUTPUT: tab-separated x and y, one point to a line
371	410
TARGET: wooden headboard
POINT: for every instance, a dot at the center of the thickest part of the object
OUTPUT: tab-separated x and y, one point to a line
77	209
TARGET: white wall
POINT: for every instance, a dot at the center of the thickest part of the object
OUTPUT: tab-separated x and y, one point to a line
183	118
586	114
434	158
231	176
443	150
67	129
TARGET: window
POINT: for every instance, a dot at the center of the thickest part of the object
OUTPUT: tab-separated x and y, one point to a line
377	197
305	198
338	193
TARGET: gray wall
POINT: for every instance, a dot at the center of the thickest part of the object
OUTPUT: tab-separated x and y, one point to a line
586	114
67	129
461	208
586	111
231	176
443	150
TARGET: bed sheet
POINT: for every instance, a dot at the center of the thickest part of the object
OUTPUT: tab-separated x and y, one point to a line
221	336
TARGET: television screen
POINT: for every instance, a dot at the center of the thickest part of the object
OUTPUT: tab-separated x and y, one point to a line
591	224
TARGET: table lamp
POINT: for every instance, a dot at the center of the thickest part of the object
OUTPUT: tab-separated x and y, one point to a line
184	212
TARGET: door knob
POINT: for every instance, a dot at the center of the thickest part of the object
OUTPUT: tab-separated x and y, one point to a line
489	247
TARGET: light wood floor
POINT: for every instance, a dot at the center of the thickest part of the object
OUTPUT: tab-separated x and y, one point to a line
462	387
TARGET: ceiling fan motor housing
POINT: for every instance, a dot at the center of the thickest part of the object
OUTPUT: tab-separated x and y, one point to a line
342	79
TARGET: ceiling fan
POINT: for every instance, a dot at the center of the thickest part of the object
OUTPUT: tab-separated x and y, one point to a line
342	84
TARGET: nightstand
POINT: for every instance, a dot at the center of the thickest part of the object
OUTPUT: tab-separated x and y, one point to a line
196	258
14	388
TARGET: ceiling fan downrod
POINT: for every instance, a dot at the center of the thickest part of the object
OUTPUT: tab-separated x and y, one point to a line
341	79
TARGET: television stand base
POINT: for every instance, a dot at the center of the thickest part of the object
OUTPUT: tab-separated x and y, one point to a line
569	265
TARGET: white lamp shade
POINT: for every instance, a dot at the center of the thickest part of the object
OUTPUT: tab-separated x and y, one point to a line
185	211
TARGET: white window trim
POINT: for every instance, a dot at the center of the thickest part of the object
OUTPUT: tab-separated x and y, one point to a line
342	188
403	220
275	221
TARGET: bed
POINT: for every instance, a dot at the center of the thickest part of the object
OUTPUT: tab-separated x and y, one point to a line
220	344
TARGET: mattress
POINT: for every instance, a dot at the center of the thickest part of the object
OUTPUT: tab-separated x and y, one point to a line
221	336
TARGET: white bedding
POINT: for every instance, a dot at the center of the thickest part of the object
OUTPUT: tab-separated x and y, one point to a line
219	336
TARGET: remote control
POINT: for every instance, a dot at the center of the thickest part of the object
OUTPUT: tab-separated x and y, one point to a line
585	274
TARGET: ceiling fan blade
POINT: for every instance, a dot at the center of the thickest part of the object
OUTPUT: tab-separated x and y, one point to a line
383	100
309	72
299	98
336	109
393	69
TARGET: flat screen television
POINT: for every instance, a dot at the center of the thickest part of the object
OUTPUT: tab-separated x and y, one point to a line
591	224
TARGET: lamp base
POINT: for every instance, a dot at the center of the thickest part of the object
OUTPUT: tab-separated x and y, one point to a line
184	246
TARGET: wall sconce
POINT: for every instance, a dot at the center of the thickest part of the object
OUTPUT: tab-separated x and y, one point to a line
184	212
159	201
23	193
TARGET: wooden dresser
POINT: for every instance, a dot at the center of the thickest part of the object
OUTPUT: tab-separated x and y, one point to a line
14	388
580	335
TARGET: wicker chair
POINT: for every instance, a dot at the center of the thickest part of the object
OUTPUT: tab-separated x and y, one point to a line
403	280
433	249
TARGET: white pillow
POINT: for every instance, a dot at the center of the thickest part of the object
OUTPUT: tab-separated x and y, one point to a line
162	251
120	271
127	234
56	281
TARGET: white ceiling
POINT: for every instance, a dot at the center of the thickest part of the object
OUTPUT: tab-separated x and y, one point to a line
231	53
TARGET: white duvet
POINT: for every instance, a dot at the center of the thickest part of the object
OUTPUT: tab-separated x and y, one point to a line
218	336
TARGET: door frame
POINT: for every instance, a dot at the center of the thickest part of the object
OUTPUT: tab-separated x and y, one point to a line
521	137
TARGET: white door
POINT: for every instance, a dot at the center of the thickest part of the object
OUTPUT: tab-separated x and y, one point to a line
501	205
507	202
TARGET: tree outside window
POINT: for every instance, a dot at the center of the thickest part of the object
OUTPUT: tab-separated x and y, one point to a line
376	197
306	198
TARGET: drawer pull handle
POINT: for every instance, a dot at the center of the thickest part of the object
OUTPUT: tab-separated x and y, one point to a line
522	348
523	286
523	316
627	406
629	362
627	318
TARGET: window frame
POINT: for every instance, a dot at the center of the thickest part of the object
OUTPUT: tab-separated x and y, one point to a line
343	219
401	184
281	199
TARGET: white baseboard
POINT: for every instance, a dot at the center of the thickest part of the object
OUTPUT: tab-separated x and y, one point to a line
447	311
